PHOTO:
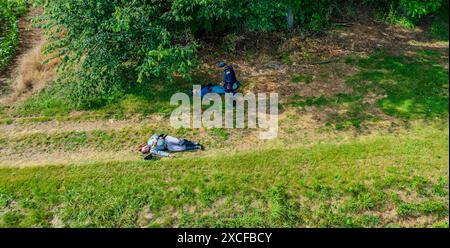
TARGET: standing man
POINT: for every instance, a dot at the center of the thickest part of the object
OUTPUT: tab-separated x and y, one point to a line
231	84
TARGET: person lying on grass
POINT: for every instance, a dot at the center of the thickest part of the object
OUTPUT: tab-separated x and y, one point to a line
230	83
161	145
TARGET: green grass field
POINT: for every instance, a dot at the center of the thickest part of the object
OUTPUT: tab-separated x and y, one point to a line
363	142
386	181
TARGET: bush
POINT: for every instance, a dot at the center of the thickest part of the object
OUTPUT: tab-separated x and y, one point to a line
406	12
106	46
109	46
230	42
416	9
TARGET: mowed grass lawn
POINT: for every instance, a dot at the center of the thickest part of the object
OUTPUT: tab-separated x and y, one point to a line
395	180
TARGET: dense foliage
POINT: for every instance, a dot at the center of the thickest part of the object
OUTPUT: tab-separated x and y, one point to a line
10	10
108	46
419	8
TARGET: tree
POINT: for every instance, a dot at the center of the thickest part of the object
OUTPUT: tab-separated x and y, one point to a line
108	46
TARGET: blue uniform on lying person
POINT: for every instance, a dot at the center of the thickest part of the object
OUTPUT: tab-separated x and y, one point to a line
162	145
210	89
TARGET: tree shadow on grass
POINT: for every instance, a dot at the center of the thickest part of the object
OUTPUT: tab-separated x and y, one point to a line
412	87
404	87
136	98
154	97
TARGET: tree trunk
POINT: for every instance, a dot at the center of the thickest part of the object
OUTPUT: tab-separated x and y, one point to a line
290	18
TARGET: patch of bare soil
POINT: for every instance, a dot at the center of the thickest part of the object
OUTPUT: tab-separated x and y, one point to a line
269	62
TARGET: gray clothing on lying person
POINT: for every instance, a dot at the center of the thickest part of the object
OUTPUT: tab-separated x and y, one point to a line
170	143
